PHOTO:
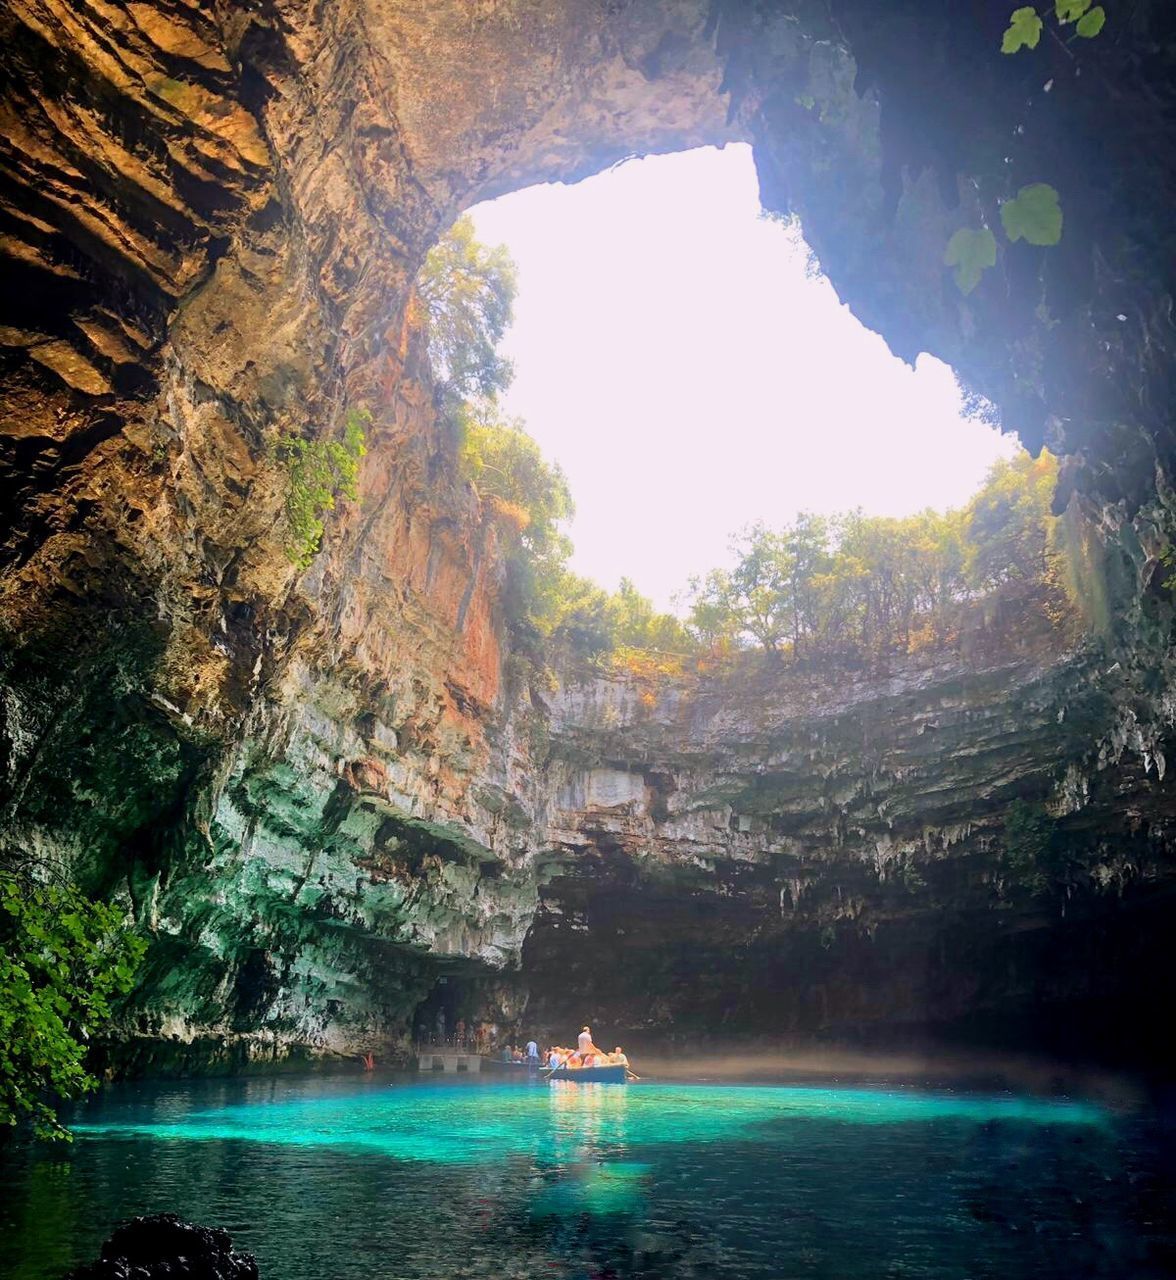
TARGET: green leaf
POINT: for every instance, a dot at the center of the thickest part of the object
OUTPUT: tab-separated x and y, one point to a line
1034	215
970	252
61	955
1024	30
1090	24
1071	10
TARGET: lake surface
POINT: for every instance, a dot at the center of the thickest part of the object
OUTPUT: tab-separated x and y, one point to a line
361	1179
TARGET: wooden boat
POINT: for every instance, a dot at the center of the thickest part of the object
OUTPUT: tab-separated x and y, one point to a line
589	1075
491	1063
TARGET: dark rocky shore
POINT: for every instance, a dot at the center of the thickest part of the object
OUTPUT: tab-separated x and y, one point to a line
162	1246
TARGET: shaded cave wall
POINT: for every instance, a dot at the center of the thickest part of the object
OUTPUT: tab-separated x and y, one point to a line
927	855
320	791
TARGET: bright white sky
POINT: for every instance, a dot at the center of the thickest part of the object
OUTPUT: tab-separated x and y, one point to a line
675	357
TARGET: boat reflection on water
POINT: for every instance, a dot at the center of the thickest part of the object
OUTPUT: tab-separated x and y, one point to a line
588	1146
588	1116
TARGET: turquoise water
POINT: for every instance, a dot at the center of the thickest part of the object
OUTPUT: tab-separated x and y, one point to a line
374	1178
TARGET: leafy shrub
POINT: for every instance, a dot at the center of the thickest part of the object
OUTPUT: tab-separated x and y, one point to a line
320	472
63	960
508	467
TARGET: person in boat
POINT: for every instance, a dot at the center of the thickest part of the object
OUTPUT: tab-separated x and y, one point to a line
617	1057
532	1052
584	1044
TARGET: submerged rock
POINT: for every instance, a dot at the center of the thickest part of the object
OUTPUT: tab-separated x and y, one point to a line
164	1245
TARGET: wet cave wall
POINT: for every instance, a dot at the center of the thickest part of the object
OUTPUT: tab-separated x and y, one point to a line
322	791
928	857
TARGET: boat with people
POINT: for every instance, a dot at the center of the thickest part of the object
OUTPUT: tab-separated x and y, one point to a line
586	1064
590	1075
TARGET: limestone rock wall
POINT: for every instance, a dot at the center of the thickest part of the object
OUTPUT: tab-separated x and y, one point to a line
321	791
782	853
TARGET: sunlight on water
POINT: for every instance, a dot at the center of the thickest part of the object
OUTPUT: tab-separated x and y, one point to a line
464	1178
448	1125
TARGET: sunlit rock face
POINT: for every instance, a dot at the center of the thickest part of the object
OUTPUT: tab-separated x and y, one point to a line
320	790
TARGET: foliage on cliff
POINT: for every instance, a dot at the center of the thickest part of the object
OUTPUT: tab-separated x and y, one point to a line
858	586
530	500
572	612
468	290
548	604
511	473
320	473
63	958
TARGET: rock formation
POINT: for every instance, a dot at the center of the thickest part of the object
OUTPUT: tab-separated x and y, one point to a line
163	1244
323	791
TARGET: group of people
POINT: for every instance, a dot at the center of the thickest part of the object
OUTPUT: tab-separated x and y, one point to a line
519	1053
479	1038
585	1054
483	1038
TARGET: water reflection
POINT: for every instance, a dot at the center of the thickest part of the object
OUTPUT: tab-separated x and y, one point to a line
588	1149
471	1124
587	1120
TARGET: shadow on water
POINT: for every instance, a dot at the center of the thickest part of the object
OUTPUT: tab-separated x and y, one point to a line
376	1178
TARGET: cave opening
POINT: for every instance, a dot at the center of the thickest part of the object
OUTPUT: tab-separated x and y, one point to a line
679	355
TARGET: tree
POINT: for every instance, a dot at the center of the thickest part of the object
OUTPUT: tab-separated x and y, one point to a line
573	611
1010	523
530	499
63	958
939	539
879	555
771	595
713	619
635	623
507	466
855	585
804	546
468	290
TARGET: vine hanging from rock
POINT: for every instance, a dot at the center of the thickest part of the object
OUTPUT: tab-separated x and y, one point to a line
1034	214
